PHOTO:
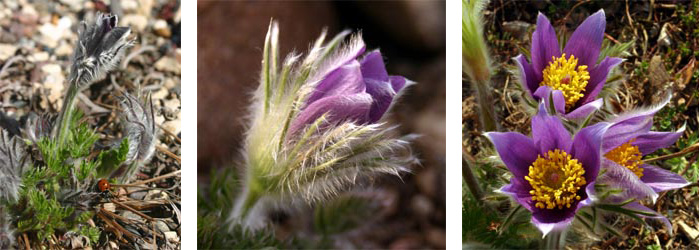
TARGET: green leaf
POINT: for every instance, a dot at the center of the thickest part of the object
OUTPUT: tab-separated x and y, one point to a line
342	214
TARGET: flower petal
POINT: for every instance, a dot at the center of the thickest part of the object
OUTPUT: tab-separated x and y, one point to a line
516	151
584	111
346	80
383	94
652	141
548	132
586	148
662	180
553	220
526	74
518	189
586	41
598	77
338	108
625	130
373	67
544	46
647	211
620	177
546	93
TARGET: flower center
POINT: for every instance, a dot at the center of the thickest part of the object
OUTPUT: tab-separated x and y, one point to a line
628	156
555	180
565	75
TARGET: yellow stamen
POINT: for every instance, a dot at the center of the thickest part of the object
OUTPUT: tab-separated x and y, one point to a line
628	156
555	180
565	75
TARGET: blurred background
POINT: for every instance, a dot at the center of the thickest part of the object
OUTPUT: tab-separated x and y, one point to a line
411	36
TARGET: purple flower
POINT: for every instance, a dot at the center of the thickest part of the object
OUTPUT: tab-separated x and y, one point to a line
571	77
551	170
626	141
351	89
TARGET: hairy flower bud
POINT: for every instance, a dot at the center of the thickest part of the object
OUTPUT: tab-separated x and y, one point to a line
317	124
12	165
139	129
100	46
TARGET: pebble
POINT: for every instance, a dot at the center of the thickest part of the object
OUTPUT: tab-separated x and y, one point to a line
131	215
162	226
155	195
39	57
168	64
172	237
173	126
162	28
63	50
137	22
7	51
160	94
53	81
129	5
109	207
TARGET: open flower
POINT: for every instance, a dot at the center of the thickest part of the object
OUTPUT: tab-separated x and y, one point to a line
626	141
571	78
551	170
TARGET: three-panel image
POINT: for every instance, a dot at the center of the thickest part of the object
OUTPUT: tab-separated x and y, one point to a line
167	124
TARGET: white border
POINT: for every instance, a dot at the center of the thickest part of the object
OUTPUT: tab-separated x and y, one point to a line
189	124
453	122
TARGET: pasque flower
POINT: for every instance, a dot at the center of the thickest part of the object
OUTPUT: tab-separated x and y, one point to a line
626	141
571	78
353	88
551	170
317	127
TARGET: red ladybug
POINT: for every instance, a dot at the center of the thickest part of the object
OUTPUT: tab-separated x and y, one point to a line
103	185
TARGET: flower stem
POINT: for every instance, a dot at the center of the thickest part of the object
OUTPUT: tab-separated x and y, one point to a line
245	203
555	240
66	114
486	111
469	177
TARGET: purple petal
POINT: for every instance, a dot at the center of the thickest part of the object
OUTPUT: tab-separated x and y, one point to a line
586	40
548	132
516	151
398	83
662	180
338	108
553	220
586	148
383	94
545	93
518	189
346	80
355	48
652	141
591	194
638	207
620	177
584	111
598	77
527	77
623	131
373	66
544	46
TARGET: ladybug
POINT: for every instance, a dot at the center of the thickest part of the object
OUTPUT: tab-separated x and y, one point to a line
103	185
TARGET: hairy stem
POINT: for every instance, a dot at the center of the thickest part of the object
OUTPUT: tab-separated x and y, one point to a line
66	115
555	240
469	177
245	203
486	111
